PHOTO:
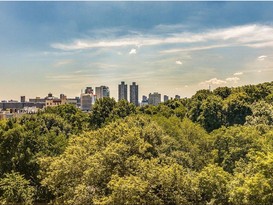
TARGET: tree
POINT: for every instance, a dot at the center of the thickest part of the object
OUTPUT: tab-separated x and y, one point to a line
26	139
262	113
196	102
213	181
233	144
14	188
74	116
211	116
101	111
122	109
222	92
120	163
252	182
236	109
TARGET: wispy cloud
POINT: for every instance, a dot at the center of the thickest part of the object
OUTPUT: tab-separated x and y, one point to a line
196	48
63	62
247	35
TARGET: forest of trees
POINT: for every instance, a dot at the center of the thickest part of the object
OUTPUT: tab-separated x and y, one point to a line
213	148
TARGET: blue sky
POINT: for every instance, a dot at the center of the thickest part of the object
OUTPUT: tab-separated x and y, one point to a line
167	47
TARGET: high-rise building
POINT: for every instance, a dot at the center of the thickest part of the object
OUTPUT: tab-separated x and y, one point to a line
154	99
87	99
177	97
102	91
122	91
134	93
166	98
86	102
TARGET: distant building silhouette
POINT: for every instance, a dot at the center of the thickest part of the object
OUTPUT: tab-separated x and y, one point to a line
166	98
154	99
144	100
102	91
122	91
51	101
23	99
134	94
87	99
177	97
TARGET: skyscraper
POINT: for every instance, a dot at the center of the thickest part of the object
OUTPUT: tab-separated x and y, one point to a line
102	91
134	93
122	91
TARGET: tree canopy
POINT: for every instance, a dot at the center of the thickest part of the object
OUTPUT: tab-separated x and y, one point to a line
213	148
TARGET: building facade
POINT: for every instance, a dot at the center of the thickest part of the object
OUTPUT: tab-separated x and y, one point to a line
134	93
87	99
154	99
166	98
102	92
51	101
23	99
144	101
86	102
122	91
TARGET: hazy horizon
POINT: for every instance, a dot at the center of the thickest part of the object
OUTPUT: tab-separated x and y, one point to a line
166	47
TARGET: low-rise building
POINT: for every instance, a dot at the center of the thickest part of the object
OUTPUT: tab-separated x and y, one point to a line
51	101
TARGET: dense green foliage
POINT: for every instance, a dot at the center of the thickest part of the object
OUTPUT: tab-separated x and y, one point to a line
213	148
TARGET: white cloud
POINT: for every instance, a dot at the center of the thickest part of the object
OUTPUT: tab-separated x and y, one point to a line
238	73
254	35
63	62
178	62
198	48
261	58
233	79
214	81
133	51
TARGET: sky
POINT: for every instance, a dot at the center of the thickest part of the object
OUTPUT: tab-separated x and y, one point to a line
174	48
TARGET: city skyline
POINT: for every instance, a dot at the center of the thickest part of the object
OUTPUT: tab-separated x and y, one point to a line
130	95
173	48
